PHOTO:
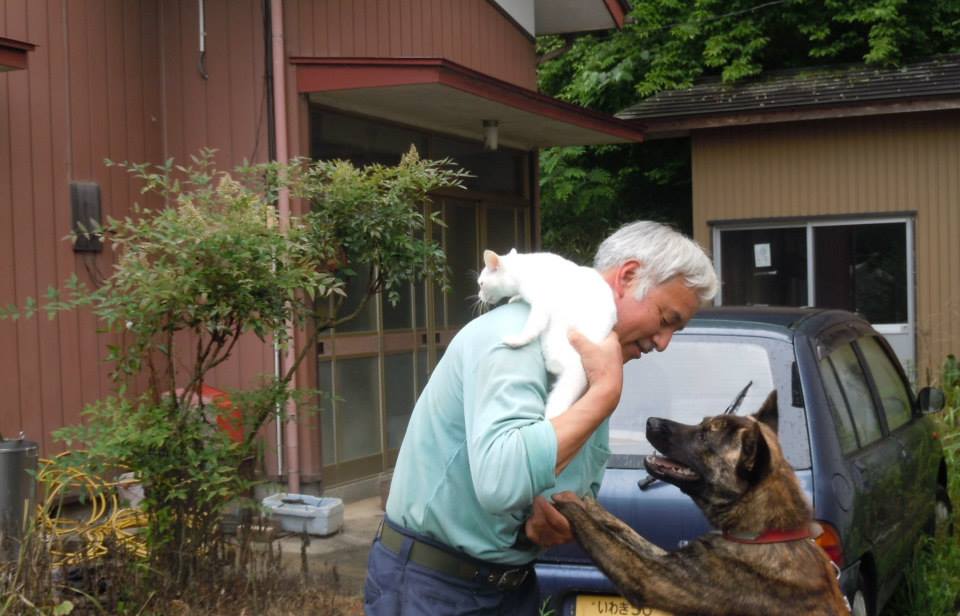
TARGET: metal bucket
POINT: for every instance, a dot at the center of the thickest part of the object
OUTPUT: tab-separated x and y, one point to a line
18	492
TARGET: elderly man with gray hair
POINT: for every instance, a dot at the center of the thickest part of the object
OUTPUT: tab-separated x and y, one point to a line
468	510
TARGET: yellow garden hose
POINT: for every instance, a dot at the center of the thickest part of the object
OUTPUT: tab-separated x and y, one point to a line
106	522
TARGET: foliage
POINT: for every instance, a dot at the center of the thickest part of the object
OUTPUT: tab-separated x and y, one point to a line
589	192
193	278
667	44
932	585
950	383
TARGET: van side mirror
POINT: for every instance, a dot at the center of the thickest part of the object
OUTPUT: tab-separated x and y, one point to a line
931	400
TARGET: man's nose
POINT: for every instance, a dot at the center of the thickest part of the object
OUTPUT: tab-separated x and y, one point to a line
662	339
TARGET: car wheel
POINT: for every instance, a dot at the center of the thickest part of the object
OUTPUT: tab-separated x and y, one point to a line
861	602
942	514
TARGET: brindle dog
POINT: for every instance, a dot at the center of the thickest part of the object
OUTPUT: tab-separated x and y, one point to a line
764	561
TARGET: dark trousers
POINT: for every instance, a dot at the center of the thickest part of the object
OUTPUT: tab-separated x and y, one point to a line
396	586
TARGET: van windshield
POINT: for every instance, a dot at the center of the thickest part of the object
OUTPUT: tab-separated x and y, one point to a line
696	377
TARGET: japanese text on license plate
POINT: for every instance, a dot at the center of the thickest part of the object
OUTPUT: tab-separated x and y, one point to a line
608	605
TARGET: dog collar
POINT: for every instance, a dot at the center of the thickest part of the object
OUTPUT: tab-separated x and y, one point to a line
771	535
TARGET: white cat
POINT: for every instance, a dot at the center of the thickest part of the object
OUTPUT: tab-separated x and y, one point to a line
562	295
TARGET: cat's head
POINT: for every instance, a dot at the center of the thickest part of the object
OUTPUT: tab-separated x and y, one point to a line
498	278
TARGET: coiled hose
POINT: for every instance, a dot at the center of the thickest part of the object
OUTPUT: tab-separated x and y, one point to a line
107	522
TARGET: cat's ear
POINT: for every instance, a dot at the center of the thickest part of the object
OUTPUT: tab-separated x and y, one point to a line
513	251
491	260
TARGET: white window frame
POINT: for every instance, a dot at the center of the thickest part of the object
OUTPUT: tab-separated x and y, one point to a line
810	224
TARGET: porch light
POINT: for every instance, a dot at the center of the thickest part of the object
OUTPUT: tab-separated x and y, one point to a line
490	128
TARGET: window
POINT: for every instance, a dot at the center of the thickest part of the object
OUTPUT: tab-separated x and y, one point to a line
863	268
497	171
358	394
857	394
398	395
765	267
462	258
858	264
838	407
376	364
695	379
890	386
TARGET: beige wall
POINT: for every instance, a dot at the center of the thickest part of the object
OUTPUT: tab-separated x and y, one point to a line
899	163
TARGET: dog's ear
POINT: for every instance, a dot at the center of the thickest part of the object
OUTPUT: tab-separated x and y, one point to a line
768	413
754	454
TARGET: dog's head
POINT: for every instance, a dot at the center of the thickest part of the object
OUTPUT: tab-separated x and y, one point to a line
718	460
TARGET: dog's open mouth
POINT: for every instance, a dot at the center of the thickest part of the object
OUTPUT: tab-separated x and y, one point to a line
669	470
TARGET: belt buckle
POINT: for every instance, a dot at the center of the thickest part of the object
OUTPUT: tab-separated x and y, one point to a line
512	578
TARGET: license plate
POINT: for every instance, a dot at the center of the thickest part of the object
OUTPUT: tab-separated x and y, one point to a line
611	605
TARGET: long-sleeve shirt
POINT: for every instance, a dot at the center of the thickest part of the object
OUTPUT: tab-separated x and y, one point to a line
478	449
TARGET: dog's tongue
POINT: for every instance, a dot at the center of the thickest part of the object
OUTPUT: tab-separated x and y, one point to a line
671	467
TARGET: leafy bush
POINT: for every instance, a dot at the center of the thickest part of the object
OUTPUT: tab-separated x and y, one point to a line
193	278
932	585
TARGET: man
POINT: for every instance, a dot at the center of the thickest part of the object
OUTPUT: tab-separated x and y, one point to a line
468	509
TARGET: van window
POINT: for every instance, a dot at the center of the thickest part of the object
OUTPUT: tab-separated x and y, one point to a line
893	391
838	407
699	376
857	394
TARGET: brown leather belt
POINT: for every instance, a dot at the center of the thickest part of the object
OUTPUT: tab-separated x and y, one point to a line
463	567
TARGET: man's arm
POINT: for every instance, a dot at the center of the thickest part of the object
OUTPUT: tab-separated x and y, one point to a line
603	364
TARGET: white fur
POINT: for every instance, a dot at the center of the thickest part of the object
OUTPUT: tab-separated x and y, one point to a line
562	295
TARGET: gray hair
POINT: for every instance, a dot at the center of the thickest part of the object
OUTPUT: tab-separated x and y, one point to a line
663	252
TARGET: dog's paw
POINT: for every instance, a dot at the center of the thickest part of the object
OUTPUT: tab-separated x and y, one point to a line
566	497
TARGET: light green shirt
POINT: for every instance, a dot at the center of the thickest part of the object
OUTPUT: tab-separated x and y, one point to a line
478	449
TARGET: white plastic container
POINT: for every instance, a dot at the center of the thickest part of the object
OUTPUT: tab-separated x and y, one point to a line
302	513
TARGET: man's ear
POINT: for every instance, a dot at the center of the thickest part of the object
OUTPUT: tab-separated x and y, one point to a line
491	260
625	276
768	413
754	454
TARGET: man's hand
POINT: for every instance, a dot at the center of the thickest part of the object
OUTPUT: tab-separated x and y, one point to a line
547	527
602	362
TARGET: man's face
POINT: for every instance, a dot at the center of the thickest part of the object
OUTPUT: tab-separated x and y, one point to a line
649	323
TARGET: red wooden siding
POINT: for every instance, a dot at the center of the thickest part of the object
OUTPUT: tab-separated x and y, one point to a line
111	79
472	33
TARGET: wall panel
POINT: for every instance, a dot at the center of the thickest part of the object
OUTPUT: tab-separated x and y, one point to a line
470	32
111	79
849	167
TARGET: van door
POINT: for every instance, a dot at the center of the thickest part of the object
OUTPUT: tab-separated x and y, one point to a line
911	436
878	484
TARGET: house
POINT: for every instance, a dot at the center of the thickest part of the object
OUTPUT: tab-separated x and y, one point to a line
145	80
836	187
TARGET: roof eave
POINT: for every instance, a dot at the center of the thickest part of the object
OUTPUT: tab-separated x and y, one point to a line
670	127
425	92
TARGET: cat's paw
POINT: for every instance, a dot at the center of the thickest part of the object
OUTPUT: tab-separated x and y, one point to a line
515	342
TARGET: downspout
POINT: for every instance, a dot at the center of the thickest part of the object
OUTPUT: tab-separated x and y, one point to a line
292	438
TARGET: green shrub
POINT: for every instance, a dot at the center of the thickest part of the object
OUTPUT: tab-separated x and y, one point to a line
932	584
193	278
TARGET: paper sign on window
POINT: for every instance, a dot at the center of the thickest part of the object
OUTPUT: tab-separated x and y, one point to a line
761	255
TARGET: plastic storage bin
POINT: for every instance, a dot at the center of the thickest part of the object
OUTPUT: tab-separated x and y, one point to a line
302	513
